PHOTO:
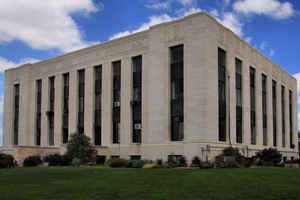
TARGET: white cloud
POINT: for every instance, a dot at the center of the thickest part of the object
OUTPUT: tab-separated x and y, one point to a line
158	5
186	2
214	13
263	46
226	2
44	24
272	52
153	20
231	21
248	39
6	64
190	11
119	35
273	8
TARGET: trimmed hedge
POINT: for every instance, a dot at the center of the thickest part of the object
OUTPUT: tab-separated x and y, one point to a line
58	160
32	161
53	159
117	163
7	161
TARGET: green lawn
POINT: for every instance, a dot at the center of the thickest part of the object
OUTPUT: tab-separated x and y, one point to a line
96	183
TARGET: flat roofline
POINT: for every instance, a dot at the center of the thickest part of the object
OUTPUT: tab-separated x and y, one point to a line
143	32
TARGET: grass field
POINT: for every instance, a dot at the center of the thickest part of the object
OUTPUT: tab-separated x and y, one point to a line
129	184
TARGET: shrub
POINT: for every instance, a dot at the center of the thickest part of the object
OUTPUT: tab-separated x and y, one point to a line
196	162
269	157
182	162
159	162
117	163
207	165
135	163
7	161
230	151
176	161
231	158
172	162
53	159
66	160
80	147
32	161
100	160
76	162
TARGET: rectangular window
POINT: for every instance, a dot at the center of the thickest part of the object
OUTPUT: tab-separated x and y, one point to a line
177	99
252	105
222	93
16	113
116	101
50	112
264	109
283	115
137	100
81	85
38	112
98	95
274	104
291	119
239	101
65	117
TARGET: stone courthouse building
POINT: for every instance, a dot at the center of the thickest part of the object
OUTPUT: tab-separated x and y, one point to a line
187	87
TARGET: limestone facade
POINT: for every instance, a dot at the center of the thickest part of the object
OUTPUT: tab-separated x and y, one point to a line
201	35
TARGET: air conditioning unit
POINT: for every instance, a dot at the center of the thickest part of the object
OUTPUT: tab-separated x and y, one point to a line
138	126
117	104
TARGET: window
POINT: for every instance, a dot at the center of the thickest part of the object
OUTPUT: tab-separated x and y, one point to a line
135	157
116	101
177	100
264	109
16	113
239	101
274	104
65	117
50	112
283	115
222	93
98	95
114	156
291	119
81	83
38	112
137	100
252	106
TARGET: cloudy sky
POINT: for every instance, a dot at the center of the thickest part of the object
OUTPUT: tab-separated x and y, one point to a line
33	30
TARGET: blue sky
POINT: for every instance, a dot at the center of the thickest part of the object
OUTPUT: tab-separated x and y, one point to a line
34	30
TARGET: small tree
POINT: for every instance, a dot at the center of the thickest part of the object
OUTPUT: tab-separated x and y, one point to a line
80	147
269	157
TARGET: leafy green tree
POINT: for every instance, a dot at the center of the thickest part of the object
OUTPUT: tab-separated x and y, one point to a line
79	146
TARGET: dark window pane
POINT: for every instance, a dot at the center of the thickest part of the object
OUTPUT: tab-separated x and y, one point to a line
116	100
253	105
264	108
16	113
65	117
38	111
177	91
274	102
222	93
81	88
